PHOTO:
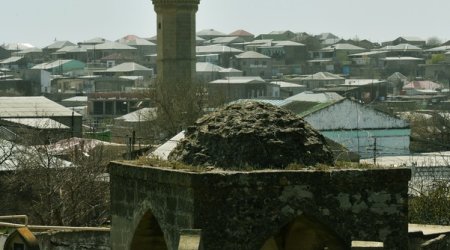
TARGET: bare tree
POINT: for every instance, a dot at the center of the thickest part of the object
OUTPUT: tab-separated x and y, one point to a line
54	191
178	106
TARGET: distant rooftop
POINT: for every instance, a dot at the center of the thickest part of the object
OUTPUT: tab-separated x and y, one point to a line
31	106
252	55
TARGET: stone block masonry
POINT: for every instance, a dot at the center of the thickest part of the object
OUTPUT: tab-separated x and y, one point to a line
252	210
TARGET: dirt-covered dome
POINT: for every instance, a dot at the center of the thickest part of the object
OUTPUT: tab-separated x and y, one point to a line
252	134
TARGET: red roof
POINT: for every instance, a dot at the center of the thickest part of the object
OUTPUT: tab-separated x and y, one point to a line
429	85
241	33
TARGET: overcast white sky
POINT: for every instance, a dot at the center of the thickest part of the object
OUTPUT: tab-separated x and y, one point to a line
40	22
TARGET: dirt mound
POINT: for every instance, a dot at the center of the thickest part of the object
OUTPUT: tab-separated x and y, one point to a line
252	134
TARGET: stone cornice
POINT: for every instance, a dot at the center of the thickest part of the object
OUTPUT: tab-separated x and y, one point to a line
161	3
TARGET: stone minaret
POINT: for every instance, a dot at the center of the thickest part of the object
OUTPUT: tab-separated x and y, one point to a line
176	40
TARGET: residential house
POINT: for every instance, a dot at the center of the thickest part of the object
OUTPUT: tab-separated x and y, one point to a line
113	60
226	40
287	56
216	54
107	48
60	67
359	128
209	34
370	58
137	124
328	39
288	89
253	64
364	90
280	35
15	47
207	72
14	63
14	86
37	112
32	55
247	36
402	50
320	80
144	48
407	65
335	58
245	87
127	69
57	45
75	52
417	41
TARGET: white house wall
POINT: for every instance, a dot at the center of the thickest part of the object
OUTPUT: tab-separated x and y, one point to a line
350	115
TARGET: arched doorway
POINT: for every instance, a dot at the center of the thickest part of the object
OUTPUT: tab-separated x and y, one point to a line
148	234
304	233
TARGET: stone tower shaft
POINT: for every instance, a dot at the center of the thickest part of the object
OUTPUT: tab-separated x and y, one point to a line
176	40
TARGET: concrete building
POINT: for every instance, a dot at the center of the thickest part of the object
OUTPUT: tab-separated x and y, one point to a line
176	40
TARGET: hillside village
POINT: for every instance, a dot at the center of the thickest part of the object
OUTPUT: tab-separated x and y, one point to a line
108	83
74	101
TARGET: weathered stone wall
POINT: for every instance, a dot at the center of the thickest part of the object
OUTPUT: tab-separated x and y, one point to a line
68	240
241	210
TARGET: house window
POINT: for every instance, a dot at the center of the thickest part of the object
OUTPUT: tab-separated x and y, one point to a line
159	25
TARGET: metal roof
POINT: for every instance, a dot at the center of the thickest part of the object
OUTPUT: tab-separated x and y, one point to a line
439	49
32	106
252	55
76	99
59	44
144	114
113	46
401	47
40	123
163	151
323	76
30	50
210	32
17	46
54	64
239	80
11	59
207	67
308	96
362	82
402	58
342	46
288	43
369	53
140	42
287	84
128	67
73	49
241	33
230	70
217	49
